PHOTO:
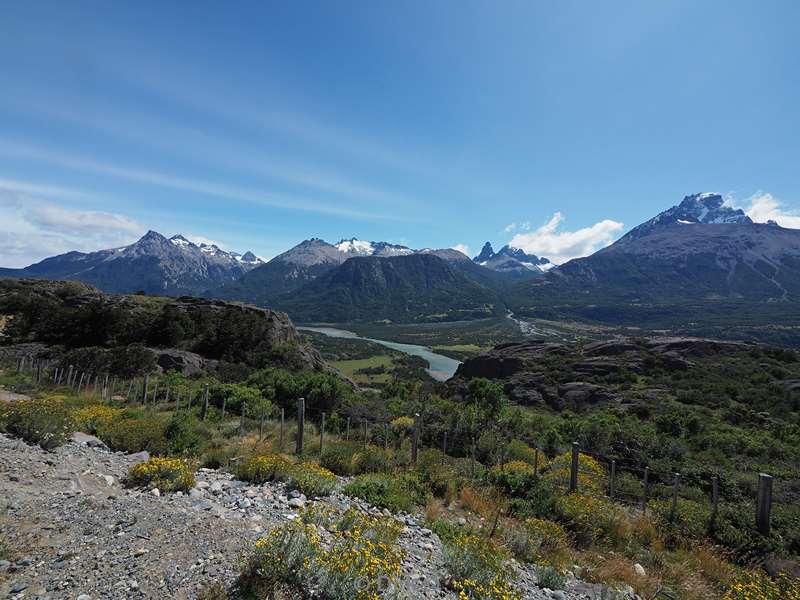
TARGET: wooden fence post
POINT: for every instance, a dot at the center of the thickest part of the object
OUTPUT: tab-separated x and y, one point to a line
155	395
415	440
444	443
80	383
347	431
166	397
282	421
145	386
385	436
322	433
261	425
241	419
204	414
644	491
224	402
472	459
764	503
573	472
55	376
39	372
177	401
301	425
536	462
366	433
712	522
675	487
105	388
613	479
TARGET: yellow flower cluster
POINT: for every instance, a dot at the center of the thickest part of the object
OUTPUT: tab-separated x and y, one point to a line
588	517
497	589
90	418
758	586
591	475
263	468
307	477
166	474
357	559
549	534
514	466
44	421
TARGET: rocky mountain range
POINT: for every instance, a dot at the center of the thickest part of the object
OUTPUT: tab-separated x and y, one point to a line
153	264
512	260
700	261
309	260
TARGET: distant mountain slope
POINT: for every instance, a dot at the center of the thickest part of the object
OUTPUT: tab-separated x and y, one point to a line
688	263
153	264
420	287
307	261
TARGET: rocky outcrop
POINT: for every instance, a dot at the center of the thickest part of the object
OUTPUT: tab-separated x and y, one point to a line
574	377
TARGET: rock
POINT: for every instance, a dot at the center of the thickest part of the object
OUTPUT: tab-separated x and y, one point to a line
18	587
139	457
216	487
84	597
195	493
202	485
639	570
244	503
108	479
88	440
296	502
155	492
558	595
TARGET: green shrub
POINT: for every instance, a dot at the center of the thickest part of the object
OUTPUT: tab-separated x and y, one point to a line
514	478
308	478
548	577
184	434
165	474
350	458
396	493
45	421
134	432
476	569
260	469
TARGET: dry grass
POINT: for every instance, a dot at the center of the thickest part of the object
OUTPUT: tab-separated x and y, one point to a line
479	501
433	510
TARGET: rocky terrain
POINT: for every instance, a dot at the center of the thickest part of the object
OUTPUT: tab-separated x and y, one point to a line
568	376
75	532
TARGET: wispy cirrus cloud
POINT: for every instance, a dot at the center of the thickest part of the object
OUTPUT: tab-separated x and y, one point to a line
463	248
562	246
198	186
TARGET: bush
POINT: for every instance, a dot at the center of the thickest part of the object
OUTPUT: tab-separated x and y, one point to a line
396	493
358	560
90	418
757	586
311	479
349	458
548	577
166	474
134	432
436	471
591	476
591	519
307	478
476	569
514	478
539	540
46	421
260	469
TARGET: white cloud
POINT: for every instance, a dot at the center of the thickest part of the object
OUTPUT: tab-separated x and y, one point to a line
33	227
561	246
463	248
510	227
765	207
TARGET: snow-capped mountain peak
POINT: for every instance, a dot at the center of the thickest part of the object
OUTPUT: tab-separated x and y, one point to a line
356	247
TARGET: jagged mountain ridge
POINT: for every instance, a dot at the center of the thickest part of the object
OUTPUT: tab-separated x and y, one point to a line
153	264
308	260
512	260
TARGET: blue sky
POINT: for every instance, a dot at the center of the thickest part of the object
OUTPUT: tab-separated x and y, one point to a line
260	124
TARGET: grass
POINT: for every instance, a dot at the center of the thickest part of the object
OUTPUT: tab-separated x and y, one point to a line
352	368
